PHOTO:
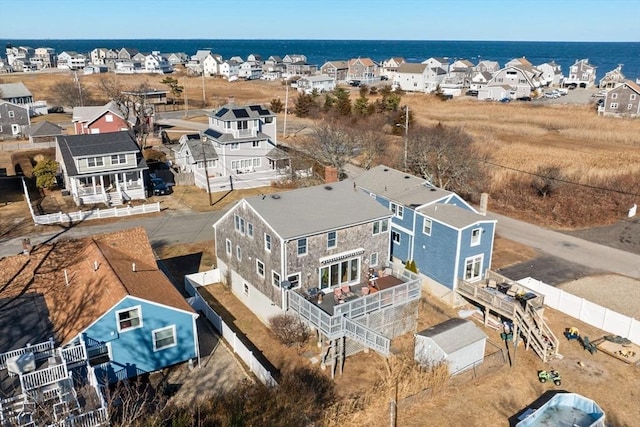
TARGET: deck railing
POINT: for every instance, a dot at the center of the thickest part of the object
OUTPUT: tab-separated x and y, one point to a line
43	377
99	417
366	336
332	326
74	354
40	351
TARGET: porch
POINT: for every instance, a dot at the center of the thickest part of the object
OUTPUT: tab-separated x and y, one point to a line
108	188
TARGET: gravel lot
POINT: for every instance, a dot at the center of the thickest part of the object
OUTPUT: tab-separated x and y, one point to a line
617	293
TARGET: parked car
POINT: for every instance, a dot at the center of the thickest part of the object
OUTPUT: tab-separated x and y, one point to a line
159	187
355	83
505	100
524	98
384	78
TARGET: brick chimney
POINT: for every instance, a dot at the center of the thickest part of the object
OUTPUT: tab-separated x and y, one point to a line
330	174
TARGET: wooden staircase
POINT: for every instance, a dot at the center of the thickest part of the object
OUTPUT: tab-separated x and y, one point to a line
536	333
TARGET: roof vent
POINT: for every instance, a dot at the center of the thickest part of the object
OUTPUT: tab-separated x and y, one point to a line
385	170
328	187
133	266
407	177
432	189
275	196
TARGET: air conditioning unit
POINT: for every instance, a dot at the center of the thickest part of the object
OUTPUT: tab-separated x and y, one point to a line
21	364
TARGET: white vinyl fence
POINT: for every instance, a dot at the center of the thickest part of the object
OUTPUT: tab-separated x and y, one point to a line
586	311
191	284
78	216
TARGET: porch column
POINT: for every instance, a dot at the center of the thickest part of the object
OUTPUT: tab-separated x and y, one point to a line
124	181
102	184
93	182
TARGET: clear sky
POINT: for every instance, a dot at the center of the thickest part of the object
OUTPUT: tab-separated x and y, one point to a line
517	20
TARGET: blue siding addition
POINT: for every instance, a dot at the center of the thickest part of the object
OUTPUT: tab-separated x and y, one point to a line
484	248
435	255
133	350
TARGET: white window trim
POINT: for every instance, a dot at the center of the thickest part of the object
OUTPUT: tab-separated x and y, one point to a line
393	232
335	240
399	210
12	114
479	238
306	246
175	337
245	289
472	259
258	264
275	282
250	229
299	274
96	165
228	247
135	307
424	226
371	259
239	253
268	242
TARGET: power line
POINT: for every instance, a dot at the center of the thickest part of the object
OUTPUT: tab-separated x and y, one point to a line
594	187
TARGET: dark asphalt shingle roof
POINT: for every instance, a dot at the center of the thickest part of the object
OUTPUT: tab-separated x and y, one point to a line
44	129
99	144
201	151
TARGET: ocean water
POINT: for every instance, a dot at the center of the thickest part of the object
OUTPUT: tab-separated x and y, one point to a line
605	56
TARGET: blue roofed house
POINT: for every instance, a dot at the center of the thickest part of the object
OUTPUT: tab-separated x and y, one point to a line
105	293
444	235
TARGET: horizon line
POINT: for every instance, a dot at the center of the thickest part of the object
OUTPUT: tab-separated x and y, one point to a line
333	39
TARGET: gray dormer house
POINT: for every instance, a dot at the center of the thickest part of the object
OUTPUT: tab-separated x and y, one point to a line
445	236
581	74
102	168
243	140
14	120
321	253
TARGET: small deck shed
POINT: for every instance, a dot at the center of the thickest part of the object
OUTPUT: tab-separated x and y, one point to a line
458	342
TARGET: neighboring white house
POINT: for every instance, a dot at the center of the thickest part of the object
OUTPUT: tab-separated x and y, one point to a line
156	63
211	64
319	83
411	77
229	69
479	80
250	70
70	60
551	73
239	148
389	67
521	80
457	342
487	66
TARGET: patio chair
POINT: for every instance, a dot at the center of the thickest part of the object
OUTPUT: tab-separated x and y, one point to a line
513	290
492	284
337	295
365	290
346	291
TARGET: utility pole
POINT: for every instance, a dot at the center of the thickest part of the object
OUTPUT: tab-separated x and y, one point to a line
204	95
186	99
286	108
406	135
206	170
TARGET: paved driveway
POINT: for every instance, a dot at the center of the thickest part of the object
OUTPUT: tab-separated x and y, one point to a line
219	370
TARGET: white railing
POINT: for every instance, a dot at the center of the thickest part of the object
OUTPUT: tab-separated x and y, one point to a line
95	418
332	326
366	336
43	377
77	216
74	354
586	311
40	351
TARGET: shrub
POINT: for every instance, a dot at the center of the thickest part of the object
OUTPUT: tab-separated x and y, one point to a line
45	173
290	330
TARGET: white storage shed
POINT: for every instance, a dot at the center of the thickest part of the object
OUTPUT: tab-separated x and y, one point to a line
458	342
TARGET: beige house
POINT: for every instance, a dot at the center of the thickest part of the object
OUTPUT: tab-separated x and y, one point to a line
622	101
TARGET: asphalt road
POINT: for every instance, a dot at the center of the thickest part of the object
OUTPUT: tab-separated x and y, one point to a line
591	255
171	228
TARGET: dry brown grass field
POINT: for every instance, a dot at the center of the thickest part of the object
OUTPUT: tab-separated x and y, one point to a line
590	150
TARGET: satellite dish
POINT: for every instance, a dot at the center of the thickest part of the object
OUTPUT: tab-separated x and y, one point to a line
285	284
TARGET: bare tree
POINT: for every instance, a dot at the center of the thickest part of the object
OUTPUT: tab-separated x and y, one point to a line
447	157
547	180
290	330
132	104
371	142
332	144
70	93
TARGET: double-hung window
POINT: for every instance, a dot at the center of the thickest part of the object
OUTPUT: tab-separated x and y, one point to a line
164	338
118	159
93	162
332	239
476	234
260	268
302	246
426	227
267	242
128	319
